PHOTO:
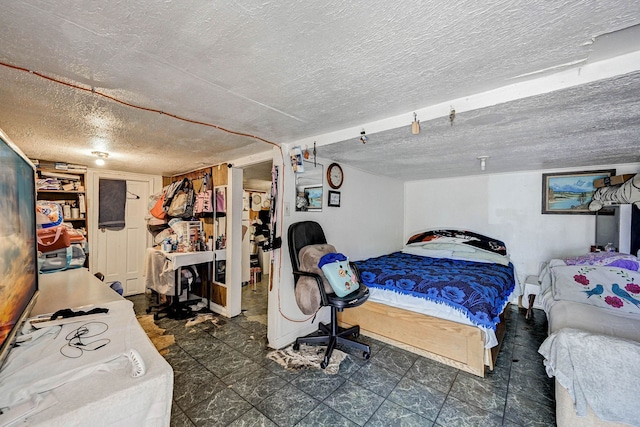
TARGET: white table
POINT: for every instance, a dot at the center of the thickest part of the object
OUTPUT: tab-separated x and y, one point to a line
183	259
71	288
103	397
178	309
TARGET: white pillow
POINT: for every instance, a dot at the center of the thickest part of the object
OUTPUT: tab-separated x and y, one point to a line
433	253
477	255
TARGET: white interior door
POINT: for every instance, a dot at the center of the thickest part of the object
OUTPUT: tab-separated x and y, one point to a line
119	255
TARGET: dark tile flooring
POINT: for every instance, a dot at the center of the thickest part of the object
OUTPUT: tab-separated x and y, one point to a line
222	378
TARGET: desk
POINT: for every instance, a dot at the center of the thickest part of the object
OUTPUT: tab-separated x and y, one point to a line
71	288
103	397
184	259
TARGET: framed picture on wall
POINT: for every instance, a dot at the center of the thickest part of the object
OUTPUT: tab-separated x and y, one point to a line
334	198
570	192
314	197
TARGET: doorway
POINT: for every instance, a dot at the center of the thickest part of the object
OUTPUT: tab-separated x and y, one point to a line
256	198
119	255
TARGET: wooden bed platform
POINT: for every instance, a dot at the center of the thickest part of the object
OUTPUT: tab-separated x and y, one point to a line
454	344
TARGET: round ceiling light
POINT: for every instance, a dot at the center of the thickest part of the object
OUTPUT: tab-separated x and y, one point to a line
101	155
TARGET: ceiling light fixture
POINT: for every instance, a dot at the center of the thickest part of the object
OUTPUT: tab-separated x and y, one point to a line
483	162
363	137
415	125
101	155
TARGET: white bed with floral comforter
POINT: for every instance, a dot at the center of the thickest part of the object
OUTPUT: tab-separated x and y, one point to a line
593	349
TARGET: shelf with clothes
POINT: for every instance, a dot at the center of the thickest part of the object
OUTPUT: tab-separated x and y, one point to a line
63	186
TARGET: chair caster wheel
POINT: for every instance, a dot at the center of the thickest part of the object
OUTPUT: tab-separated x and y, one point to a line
366	355
356	334
148	310
296	346
324	364
155	316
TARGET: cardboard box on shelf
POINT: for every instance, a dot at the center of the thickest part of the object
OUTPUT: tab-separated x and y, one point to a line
612	180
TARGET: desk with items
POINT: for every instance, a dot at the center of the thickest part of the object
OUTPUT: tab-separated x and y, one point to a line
163	275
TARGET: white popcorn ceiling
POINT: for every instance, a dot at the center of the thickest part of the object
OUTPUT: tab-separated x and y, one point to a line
296	72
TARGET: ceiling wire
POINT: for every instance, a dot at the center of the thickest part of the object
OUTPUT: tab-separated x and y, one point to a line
94	91
128	104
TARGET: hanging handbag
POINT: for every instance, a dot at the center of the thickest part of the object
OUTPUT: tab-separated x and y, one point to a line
336	268
51	239
191	198
182	202
221	203
171	192
158	209
203	203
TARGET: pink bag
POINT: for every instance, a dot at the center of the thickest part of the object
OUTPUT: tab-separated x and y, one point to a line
203	202
54	238
221	204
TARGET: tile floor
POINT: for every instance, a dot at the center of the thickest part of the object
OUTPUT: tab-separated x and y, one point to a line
222	378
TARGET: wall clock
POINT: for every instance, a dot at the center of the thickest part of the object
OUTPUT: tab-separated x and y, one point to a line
335	177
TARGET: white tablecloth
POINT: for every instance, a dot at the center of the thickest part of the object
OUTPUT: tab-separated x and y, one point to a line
91	396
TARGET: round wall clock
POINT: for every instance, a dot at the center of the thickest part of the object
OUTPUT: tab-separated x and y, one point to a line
335	177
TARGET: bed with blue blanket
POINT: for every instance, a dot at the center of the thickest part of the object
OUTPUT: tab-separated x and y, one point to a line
443	295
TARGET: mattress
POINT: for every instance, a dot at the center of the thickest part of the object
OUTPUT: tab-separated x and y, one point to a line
594	373
466	292
441	311
569	314
584	313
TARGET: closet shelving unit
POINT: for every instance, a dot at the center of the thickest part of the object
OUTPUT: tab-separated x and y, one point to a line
73	195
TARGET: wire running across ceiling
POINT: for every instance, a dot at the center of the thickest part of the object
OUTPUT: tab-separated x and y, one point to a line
128	104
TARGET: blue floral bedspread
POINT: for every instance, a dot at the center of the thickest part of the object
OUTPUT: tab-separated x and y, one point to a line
479	290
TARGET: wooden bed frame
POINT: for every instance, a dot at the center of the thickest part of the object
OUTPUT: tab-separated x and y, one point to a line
454	344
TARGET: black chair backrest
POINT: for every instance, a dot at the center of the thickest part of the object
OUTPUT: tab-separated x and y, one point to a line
302	234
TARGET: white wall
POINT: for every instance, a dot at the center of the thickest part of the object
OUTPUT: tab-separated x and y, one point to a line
505	206
378	214
367	223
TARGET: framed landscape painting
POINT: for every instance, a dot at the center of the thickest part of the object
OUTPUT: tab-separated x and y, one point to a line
570	192
314	196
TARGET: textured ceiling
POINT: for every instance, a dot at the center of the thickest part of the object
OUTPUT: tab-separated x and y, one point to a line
592	125
153	82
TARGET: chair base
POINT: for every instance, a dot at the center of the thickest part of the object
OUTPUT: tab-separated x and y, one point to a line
332	335
174	309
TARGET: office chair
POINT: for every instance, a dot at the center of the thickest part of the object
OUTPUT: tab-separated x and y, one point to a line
306	233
